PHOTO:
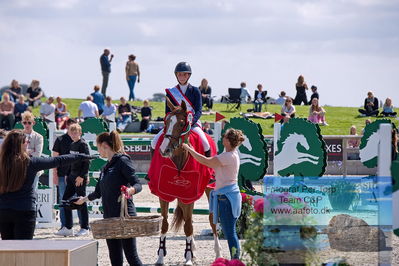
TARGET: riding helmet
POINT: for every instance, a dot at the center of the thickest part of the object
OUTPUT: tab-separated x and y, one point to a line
183	67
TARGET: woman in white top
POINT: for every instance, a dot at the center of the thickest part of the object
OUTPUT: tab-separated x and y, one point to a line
288	109
225	200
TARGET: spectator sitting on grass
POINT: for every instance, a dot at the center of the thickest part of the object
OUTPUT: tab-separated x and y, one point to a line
34	93
288	109
125	115
15	90
19	108
207	128
109	113
387	108
47	110
61	113
88	108
366	122
370	105
281	98
7	112
146	114
317	113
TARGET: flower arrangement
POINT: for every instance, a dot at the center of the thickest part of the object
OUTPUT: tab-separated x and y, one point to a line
253	245
246	209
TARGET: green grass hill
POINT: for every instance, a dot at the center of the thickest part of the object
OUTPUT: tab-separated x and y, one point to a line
340	119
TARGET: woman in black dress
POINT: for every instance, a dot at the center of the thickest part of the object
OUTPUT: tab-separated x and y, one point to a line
301	88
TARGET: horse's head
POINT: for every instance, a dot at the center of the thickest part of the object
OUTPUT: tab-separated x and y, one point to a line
177	125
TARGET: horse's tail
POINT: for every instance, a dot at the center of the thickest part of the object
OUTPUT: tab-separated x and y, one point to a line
178	219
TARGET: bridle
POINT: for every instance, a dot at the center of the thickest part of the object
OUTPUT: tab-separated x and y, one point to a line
183	137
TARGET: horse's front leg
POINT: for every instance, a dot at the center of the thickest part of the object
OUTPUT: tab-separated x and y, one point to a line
187	210
164	230
217	246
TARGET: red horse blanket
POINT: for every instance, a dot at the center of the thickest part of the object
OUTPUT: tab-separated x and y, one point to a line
188	184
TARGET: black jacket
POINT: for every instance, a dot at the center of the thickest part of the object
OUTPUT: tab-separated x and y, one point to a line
25	198
80	168
263	95
375	104
117	172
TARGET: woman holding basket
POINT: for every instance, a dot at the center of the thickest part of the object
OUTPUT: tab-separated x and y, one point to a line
116	173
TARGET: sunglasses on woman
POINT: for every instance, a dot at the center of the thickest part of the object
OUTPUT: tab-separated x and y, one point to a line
27	123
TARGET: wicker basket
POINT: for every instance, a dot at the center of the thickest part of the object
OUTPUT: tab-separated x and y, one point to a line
126	226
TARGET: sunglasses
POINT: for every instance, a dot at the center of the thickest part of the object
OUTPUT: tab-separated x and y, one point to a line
27	123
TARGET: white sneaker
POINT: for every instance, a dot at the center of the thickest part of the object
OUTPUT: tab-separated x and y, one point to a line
64	232
82	232
324	124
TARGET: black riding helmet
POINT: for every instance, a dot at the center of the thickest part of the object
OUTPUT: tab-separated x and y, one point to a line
182	67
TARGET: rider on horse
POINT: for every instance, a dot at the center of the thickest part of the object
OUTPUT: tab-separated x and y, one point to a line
191	95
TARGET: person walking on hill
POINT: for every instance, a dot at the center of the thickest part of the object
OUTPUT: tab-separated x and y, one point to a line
105	69
132	74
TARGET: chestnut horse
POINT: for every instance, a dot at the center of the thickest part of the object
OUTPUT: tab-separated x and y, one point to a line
176	132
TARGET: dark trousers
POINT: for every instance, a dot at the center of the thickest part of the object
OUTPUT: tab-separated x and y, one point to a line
299	98
115	247
388	114
144	124
208	102
369	112
10	119
105	82
70	190
16	224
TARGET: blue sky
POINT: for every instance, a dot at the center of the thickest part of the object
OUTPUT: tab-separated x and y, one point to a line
345	47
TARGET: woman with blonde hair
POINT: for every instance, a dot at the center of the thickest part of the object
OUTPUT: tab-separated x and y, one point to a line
317	114
15	90
61	113
387	108
118	171
17	175
206	93
225	200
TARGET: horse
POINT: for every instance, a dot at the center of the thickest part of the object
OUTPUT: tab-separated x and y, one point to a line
290	155
176	132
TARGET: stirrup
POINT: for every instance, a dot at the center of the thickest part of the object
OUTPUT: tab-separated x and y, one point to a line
188	249
162	245
208	153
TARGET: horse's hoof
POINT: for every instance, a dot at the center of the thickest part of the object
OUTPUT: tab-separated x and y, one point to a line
188	263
